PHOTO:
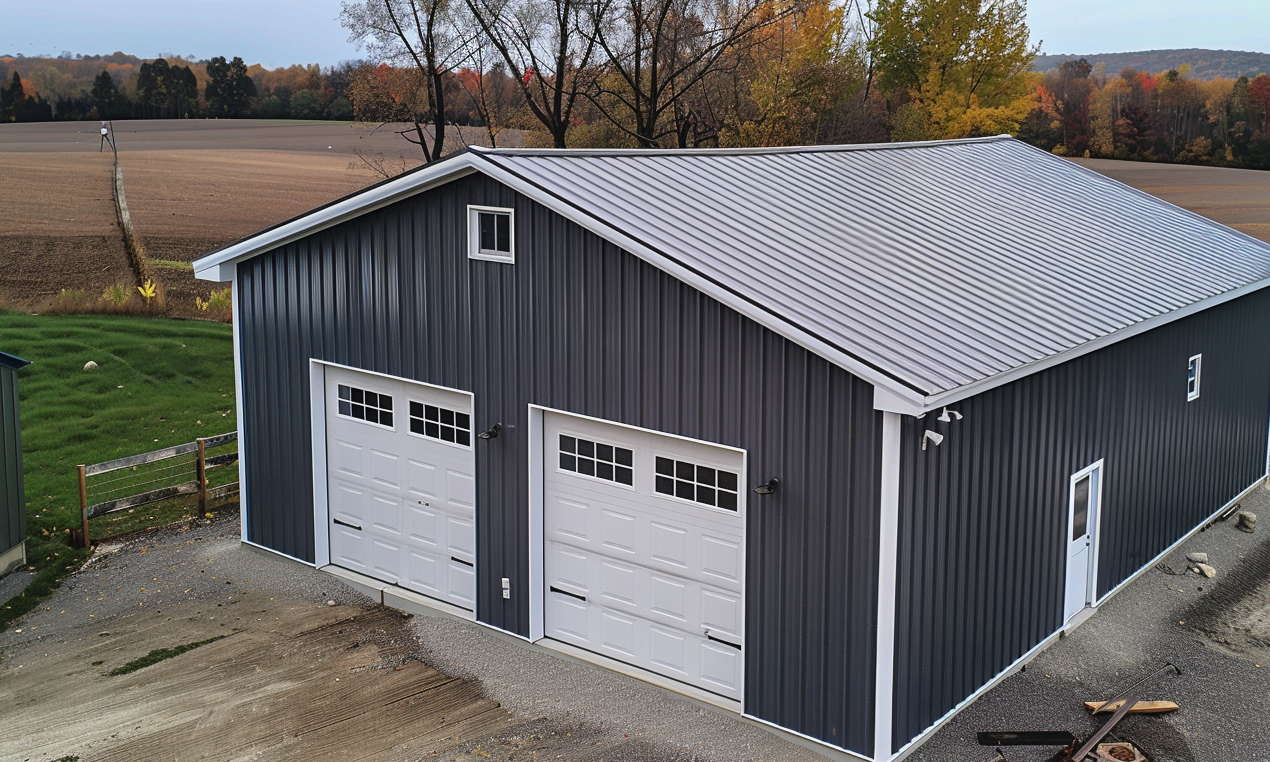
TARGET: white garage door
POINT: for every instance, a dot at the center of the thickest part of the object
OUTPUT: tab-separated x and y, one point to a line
401	486
644	550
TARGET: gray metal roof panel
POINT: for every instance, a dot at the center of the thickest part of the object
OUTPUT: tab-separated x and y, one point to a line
13	361
940	263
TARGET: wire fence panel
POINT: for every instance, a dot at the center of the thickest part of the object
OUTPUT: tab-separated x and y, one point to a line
158	475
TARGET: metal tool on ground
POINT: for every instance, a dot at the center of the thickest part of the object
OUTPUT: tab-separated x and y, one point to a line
1123	702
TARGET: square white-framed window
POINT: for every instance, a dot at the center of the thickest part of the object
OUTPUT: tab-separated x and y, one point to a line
491	233
1192	378
364	405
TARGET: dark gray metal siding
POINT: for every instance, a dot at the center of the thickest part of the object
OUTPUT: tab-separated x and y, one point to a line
983	516
12	492
576	324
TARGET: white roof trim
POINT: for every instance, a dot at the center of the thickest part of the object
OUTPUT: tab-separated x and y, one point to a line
218	264
890	394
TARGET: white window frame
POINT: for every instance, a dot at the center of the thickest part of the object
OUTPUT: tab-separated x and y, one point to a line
1192	386
376	424
474	250
471	434
578	474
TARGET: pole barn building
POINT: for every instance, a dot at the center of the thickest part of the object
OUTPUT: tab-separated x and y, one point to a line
832	437
12	491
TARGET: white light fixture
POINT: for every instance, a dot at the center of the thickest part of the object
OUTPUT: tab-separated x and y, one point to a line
933	437
948	416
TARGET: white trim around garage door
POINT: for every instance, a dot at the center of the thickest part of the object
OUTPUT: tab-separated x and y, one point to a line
317	455
537	463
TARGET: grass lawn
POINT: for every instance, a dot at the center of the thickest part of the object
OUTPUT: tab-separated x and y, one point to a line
158	383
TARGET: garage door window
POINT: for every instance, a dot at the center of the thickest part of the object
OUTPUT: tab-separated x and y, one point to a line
441	424
700	484
365	405
597	460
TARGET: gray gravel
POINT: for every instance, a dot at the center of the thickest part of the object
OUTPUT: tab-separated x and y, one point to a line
567	710
1209	628
573	711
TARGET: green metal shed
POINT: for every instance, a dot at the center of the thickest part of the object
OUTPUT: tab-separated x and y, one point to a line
12	491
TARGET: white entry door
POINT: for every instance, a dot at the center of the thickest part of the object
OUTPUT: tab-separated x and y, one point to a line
1084	504
645	550
401	486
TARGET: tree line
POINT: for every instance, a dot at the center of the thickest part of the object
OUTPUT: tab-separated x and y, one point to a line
124	87
687	73
1083	111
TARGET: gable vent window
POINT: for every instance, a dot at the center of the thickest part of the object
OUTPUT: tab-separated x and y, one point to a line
700	484
364	405
490	234
441	424
1192	378
597	460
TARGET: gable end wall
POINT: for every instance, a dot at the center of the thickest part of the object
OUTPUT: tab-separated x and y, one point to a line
579	325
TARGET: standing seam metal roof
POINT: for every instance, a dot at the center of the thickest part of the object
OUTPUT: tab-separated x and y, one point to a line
941	264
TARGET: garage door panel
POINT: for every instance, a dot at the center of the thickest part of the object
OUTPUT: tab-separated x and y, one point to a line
618	633
413	495
421	479
618	583
619	531
668	544
425	527
346	457
720	665
721	559
461	535
721	612
385	469
461	489
658	572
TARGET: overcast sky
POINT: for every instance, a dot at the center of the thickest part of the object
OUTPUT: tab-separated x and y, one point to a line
283	32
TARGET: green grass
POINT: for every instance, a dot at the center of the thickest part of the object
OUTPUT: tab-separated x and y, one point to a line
170	264
159	654
155	380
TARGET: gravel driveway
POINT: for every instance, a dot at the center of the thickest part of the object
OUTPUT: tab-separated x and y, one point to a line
296	678
294	669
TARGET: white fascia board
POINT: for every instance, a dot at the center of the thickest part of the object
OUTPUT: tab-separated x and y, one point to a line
218	266
702	284
886	400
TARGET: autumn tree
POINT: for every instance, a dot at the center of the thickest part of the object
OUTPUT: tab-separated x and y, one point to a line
1069	91
427	36
958	64
229	89
798	71
656	54
548	46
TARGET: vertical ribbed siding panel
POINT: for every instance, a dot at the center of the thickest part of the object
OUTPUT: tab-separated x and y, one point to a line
983	516
578	325
12	491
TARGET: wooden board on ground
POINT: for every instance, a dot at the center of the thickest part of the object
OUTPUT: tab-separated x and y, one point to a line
1142	707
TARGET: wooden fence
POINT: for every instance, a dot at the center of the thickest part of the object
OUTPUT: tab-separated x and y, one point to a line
170	476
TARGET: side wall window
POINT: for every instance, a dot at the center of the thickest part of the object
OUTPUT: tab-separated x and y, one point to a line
1192	378
491	234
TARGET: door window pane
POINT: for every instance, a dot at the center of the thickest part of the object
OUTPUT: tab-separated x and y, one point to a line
1080	508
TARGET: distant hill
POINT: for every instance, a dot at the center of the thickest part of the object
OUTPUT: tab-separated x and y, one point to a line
1205	64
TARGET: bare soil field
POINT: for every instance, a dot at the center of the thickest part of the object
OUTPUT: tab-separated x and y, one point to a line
1239	198
192	186
58	229
196	185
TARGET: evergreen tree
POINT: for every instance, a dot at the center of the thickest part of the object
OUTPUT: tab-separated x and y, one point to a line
106	96
12	99
229	90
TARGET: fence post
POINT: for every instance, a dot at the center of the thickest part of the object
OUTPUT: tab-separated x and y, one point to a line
201	474
83	504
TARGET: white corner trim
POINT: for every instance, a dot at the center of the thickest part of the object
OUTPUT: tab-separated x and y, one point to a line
235	317
537	502
888	553
321	500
